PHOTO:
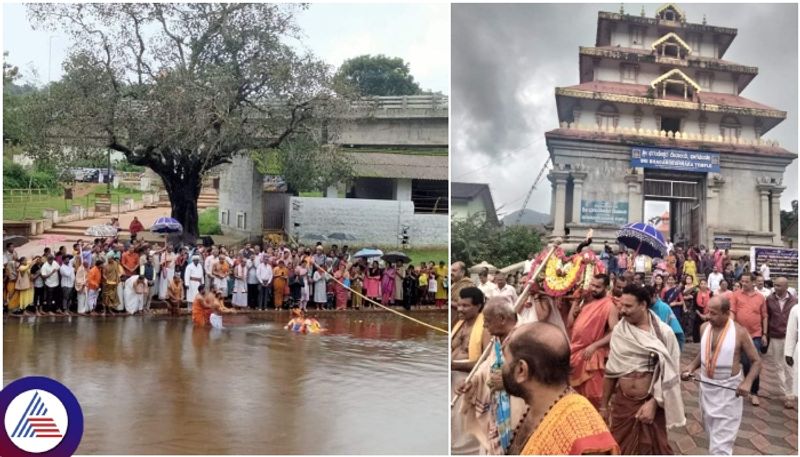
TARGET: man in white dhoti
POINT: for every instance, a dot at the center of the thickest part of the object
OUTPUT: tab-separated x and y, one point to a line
722	384
208	266
167	261
791	346
193	277
779	306
221	271
135	291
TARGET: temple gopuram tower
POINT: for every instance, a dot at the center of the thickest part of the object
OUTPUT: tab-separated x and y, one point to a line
658	117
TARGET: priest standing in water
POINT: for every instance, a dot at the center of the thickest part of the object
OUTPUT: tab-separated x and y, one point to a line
467	343
721	345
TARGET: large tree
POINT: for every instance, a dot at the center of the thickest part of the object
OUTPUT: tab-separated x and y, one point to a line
378	75
180	88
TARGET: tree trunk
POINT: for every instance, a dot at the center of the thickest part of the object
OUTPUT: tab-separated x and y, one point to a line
184	192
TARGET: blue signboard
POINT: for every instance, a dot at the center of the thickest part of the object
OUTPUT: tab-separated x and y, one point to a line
781	261
675	159
604	212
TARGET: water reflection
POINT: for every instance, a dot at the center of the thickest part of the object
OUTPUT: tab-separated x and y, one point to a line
375	383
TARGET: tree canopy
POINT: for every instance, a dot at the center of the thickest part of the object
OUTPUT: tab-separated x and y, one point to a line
474	241
180	88
377	76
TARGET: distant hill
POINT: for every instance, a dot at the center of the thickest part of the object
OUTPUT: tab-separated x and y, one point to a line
529	217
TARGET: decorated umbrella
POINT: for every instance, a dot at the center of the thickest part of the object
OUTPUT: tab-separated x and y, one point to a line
166	225
396	256
16	240
644	238
367	252
101	231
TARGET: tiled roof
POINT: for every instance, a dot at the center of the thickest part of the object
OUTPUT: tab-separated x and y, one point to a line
467	190
416	166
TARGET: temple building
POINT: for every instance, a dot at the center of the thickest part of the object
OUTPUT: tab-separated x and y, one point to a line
658	126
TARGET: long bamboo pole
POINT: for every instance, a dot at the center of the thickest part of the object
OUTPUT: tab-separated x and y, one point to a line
521	299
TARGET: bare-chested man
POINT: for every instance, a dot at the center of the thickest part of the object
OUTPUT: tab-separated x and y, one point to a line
643	375
468	341
721	346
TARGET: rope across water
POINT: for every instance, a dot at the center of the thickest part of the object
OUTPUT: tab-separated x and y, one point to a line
433	327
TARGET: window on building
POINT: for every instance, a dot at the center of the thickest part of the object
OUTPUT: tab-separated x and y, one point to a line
241	221
607	117
224	218
637	36
670	13
670	124
696	42
705	80
730	128
628	73
676	85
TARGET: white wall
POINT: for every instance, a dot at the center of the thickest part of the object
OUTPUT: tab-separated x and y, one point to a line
371	222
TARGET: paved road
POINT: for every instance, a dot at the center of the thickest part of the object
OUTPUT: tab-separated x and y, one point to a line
765	429
146	216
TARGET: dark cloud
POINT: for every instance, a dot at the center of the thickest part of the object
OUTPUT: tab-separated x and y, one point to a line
508	59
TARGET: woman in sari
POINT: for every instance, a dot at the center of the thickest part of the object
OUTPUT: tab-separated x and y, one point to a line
24	285
387	285
341	293
690	269
80	285
410	288
357	284
673	296
372	282
279	283
12	297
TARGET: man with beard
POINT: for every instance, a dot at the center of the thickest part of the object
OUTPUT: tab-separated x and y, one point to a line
558	421
590	323
469	340
489	413
458	281
642	373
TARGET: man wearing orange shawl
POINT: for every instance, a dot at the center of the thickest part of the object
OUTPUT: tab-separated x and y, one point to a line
558	421
200	312
468	341
590	327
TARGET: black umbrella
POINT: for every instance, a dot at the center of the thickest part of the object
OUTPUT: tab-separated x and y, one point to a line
396	256
16	240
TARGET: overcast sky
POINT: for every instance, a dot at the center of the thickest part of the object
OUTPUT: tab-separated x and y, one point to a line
508	59
419	33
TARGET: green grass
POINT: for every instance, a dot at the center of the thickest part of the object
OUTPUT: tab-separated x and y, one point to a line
426	255
208	222
18	210
311	194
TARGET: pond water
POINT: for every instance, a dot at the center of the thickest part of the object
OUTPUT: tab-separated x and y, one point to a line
374	384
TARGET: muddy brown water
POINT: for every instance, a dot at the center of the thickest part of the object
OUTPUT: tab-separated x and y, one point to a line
374	384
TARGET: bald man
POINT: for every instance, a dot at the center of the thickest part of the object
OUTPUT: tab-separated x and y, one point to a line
559	421
458	281
779	306
719	360
489	414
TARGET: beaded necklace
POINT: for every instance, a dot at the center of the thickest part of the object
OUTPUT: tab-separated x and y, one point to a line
514	444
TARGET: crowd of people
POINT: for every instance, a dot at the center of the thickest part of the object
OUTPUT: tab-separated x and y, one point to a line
601	372
108	276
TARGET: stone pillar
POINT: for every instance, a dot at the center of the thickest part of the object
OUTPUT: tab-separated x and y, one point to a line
776	214
764	219
332	191
559	179
715	182
402	189
635	203
577	194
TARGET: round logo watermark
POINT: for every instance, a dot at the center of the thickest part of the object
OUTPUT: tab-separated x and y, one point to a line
41	417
